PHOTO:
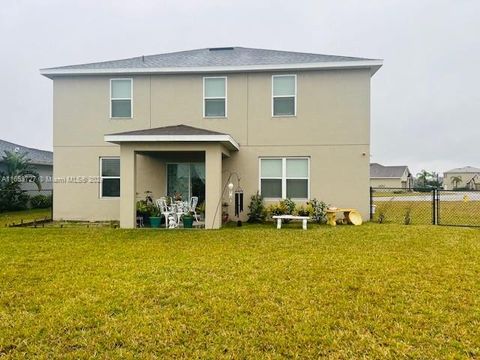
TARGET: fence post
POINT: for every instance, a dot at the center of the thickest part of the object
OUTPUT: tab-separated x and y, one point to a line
437	207
51	207
434	207
371	203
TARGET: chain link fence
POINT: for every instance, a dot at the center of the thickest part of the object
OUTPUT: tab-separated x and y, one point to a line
458	208
425	206
402	206
25	207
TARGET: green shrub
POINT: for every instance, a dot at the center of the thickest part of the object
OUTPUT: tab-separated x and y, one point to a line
283	207
40	201
318	210
277	209
304	210
290	205
257	209
12	200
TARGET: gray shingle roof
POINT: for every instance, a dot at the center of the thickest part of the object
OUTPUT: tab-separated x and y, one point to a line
172	130
465	169
211	57
380	171
39	157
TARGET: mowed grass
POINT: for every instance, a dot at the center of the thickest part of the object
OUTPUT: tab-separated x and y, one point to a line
10	217
451	212
374	291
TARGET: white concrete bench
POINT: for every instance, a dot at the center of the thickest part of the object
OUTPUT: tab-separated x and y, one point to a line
279	219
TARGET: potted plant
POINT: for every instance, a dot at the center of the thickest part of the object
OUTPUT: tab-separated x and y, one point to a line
155	216
187	220
177	196
142	210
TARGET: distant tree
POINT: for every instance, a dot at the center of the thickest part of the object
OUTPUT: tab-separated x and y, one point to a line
456	180
18	168
424	176
435	179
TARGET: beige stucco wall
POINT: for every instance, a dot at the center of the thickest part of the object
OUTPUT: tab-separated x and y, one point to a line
81	200
338	174
386	182
332	127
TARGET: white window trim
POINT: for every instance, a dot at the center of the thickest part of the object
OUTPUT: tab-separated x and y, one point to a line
131	99
286	96
284	177
215	97
106	177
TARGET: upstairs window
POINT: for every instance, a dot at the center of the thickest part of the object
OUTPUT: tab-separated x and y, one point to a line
215	97
284	95
110	177
121	98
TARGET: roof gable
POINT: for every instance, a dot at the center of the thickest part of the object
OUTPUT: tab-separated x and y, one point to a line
381	171
176	133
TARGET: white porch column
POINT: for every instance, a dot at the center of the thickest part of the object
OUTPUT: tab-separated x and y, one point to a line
127	187
213	187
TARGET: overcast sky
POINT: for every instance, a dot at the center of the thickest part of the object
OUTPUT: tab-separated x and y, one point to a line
425	99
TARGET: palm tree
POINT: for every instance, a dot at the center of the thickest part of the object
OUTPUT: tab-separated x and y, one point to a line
423	176
456	180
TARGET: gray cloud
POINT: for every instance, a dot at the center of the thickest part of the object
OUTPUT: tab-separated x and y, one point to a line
425	100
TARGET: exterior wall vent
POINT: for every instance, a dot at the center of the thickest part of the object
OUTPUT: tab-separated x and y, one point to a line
220	48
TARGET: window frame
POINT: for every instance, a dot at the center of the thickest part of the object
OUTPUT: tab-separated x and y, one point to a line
215	98
107	177
131	99
284	96
284	177
190	163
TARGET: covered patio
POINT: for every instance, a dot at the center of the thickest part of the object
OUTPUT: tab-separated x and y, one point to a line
174	159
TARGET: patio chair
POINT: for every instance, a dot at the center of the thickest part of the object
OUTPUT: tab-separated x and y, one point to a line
174	217
164	211
193	207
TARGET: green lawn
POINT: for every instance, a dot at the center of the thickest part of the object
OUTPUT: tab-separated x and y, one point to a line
375	291
7	218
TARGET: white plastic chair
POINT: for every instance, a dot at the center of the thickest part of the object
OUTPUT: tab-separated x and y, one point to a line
193	207
174	218
168	214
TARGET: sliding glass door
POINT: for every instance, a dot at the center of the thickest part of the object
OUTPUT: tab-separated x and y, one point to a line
187	179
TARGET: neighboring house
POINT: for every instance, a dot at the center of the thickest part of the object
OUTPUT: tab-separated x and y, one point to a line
460	178
390	176
41	159
288	124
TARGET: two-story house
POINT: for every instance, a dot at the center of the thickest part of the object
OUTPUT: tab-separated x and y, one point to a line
287	124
